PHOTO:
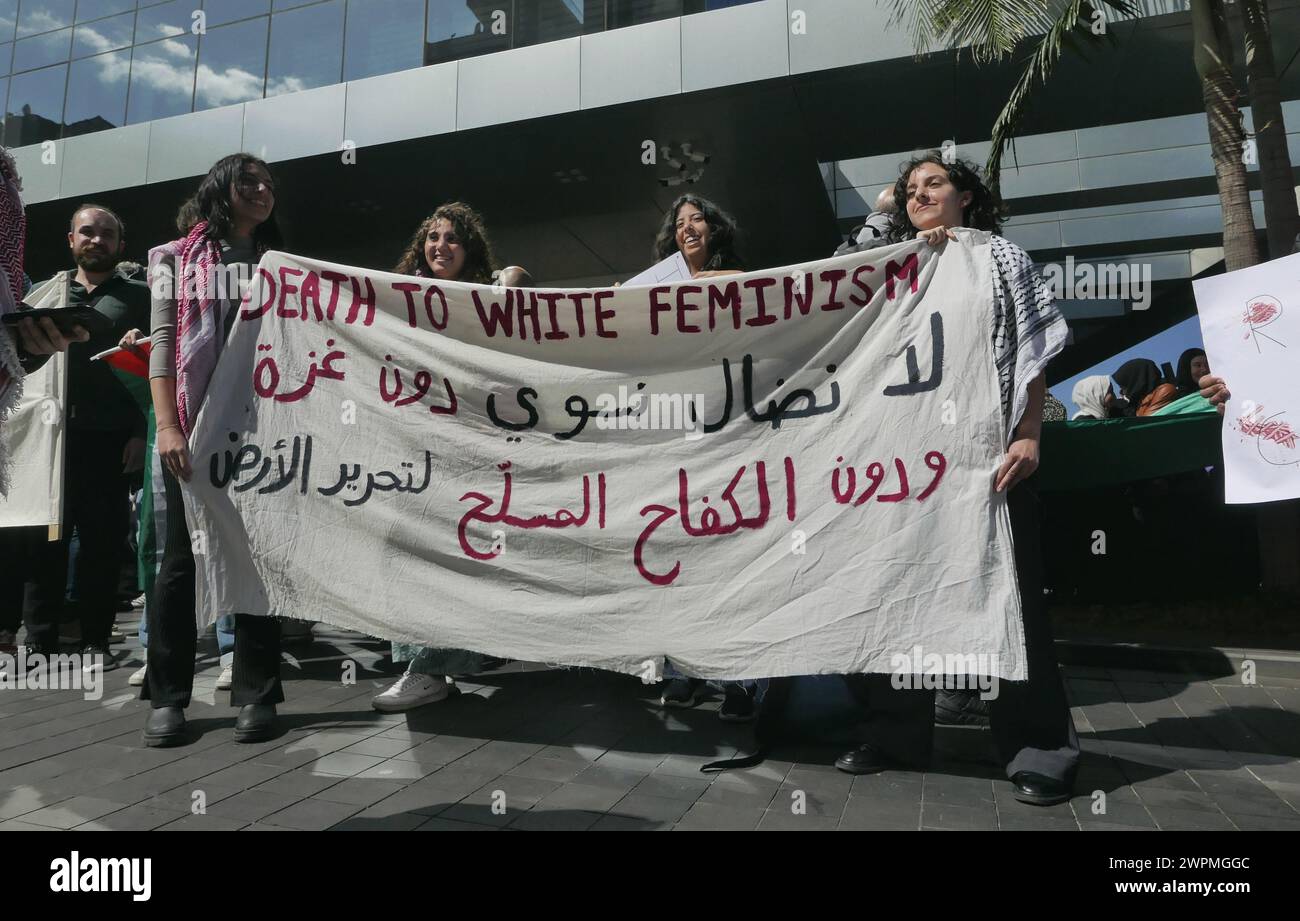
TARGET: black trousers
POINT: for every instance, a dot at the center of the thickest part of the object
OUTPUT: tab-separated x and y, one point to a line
173	634
96	504
1030	720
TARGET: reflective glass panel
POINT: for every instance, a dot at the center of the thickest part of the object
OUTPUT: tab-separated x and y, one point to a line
634	12
8	19
42	50
98	9
35	107
44	16
165	20
97	93
103	35
383	36
549	20
306	48
162	79
232	64
454	30
220	12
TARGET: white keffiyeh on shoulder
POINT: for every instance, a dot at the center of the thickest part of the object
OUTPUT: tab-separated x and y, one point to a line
1028	329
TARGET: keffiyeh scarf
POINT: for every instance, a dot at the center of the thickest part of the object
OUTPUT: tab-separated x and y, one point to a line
13	232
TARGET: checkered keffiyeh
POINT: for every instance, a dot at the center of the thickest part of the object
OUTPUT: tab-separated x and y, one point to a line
189	261
13	233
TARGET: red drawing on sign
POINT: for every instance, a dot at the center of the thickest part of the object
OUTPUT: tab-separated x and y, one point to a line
1261	311
1274	438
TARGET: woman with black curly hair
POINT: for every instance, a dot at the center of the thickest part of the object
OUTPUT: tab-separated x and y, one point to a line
451	245
1030	720
703	233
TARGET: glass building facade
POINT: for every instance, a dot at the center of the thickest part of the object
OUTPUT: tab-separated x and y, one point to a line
70	67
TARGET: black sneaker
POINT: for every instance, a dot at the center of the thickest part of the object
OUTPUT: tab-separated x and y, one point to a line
737	704
98	657
681	692
954	707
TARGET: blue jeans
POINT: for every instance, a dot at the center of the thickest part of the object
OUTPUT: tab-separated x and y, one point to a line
225	636
438	662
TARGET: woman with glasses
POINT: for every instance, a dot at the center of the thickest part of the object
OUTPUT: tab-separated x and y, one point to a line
226	226
451	245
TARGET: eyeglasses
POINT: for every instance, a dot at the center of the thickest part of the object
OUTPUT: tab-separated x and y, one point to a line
249	184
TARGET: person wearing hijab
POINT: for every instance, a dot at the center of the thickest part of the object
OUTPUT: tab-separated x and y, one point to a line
1094	396
1192	366
1142	384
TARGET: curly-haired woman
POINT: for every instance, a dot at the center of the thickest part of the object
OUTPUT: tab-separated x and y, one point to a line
1030	720
451	244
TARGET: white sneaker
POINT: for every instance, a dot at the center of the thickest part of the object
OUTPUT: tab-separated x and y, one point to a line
226	678
137	677
411	691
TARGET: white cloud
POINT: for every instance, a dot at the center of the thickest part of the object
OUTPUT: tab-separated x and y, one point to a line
97	42
41	21
234	84
286	85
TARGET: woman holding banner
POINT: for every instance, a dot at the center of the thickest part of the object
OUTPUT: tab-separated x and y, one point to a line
705	235
228	223
452	245
1030	720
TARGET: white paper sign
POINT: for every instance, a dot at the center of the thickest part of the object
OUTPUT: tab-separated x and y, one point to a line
776	473
674	268
1250	323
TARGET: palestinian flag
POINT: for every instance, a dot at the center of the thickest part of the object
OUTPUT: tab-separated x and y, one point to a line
132	371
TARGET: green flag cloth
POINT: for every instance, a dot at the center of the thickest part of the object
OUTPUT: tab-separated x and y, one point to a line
1089	453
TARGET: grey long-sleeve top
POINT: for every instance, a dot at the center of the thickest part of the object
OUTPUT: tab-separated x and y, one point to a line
239	257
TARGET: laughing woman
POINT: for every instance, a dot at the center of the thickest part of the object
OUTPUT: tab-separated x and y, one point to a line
1030	720
705	235
451	245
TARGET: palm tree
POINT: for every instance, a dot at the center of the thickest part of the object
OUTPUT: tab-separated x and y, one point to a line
1212	53
1276	176
994	28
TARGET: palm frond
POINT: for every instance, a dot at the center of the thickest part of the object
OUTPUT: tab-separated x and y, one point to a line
993	28
1072	29
920	19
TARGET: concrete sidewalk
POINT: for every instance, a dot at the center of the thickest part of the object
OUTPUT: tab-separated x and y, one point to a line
1186	749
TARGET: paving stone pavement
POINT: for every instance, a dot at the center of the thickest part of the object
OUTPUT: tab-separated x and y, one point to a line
577	749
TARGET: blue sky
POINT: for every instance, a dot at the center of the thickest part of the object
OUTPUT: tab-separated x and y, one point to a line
1162	347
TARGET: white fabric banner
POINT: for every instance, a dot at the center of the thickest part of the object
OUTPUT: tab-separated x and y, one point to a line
777	473
34	440
1250	323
